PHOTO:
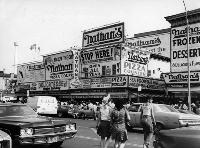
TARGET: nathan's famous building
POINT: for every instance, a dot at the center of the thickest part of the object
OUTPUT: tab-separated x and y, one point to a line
177	79
107	62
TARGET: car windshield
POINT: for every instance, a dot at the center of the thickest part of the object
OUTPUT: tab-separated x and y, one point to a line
16	110
166	108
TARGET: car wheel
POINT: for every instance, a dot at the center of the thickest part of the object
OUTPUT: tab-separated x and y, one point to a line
60	114
55	145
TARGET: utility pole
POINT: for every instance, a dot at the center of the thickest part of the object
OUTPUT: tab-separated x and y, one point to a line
188	57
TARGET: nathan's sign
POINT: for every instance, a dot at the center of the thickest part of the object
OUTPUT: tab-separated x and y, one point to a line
107	35
157	44
179	52
60	66
181	78
105	54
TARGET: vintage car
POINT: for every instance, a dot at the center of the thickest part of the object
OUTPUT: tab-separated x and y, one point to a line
5	140
185	137
166	117
85	113
25	126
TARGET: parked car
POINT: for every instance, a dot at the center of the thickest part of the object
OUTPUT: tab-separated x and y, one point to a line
25	126
186	137
166	117
5	140
86	113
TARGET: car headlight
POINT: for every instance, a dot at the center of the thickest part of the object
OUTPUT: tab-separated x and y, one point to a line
70	127
26	132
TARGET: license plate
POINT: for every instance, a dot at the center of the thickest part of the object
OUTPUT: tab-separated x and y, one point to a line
53	139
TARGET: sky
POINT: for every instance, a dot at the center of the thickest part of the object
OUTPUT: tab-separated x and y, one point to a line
56	25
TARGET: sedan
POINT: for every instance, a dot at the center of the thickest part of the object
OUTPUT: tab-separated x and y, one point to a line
26	127
186	137
166	117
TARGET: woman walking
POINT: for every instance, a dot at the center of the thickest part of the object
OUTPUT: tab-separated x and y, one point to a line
103	122
147	120
119	117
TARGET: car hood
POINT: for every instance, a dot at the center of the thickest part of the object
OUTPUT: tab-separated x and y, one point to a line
183	115
33	121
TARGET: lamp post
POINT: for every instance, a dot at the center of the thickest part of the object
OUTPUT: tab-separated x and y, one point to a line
188	58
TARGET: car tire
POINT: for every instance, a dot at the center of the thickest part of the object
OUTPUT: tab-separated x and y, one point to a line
60	114
57	144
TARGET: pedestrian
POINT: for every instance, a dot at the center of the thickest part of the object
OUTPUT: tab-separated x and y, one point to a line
148	121
119	117
103	123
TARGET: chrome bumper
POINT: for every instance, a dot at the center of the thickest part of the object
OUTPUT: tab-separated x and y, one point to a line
47	138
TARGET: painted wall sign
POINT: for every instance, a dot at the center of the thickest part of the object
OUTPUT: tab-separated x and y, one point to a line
59	66
179	52
120	81
180	78
99	69
134	62
146	83
52	85
32	72
105	54
107	35
158	44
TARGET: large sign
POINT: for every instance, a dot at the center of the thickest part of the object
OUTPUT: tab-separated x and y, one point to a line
146	83
105	54
134	62
59	66
107	35
179	53
32	72
157	44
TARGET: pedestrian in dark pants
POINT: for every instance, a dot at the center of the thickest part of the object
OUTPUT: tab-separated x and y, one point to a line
148	121
103	122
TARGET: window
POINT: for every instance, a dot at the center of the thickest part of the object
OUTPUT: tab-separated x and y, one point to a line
114	69
103	70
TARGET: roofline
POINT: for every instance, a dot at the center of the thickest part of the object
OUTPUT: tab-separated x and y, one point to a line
180	15
167	30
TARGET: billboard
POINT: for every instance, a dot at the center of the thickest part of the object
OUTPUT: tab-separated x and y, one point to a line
59	66
32	72
134	62
107	35
98	55
179	53
158	44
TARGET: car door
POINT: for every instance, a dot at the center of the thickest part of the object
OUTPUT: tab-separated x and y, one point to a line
133	112
137	116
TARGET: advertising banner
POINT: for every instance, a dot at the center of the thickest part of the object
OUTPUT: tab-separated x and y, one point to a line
134	62
104	54
50	85
179	53
120	81
146	83
157	44
59	66
103	36
32	72
98	69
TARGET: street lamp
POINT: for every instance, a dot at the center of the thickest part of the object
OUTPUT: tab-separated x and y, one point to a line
188	57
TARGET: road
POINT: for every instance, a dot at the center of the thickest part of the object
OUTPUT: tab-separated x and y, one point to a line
87	137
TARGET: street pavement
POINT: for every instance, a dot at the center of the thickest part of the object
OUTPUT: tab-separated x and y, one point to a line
87	137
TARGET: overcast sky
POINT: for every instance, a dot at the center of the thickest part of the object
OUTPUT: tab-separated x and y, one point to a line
56	25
